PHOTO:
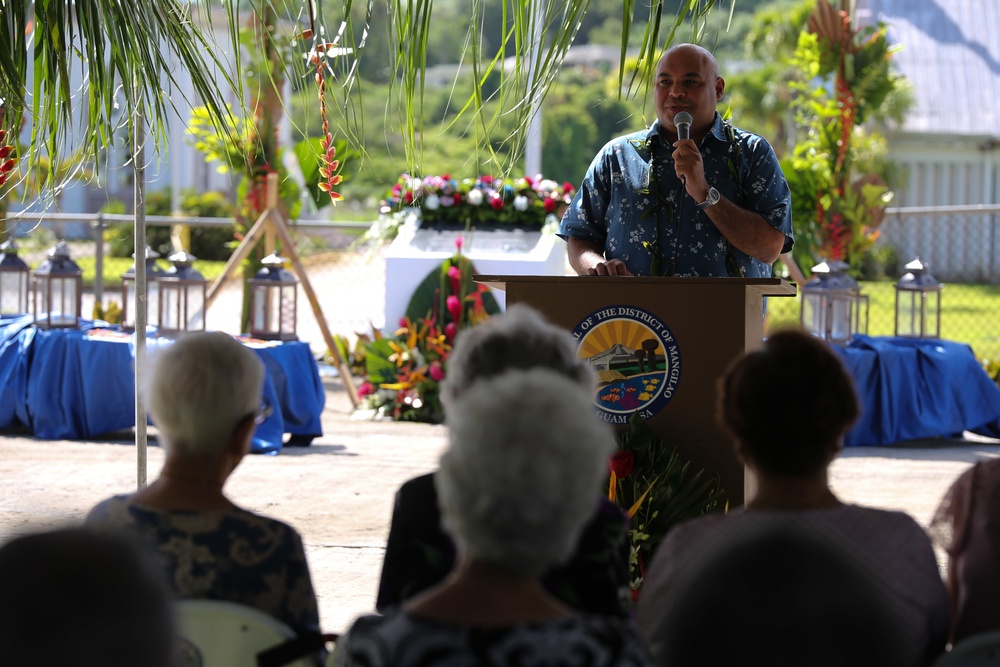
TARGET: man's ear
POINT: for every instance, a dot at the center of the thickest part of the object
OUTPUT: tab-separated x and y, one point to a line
720	87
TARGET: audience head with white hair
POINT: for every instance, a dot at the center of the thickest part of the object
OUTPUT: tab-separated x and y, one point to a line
204	391
519	339
517	482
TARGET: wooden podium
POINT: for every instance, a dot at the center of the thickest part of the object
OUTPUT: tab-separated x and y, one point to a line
659	345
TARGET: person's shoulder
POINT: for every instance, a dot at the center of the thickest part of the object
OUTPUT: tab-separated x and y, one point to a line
110	510
889	523
634	139
261	523
750	139
421	485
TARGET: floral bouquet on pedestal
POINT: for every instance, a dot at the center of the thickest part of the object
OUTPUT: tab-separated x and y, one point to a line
654	487
531	203
403	371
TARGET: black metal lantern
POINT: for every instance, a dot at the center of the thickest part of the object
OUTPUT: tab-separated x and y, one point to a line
153	275
14	275
57	285
918	302
182	296
273	301
832	304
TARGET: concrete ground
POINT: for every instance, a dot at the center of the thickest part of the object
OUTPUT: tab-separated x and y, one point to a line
338	492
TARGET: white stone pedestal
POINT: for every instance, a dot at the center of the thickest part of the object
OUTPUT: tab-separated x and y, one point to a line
414	253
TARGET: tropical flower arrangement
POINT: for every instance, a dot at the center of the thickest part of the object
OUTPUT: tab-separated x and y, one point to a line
402	372
526	202
656	490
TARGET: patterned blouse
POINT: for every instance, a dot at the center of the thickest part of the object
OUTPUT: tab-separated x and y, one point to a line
632	204
403	640
231	555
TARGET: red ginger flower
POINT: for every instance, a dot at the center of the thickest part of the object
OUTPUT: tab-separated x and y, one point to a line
621	464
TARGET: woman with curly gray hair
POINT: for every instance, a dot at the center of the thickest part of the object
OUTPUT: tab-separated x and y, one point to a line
419	553
516	487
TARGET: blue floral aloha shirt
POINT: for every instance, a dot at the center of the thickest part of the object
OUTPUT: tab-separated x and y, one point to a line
632	203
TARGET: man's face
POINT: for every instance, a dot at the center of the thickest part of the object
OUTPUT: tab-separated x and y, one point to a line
687	80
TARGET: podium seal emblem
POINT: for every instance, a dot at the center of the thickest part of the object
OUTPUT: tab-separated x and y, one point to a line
635	357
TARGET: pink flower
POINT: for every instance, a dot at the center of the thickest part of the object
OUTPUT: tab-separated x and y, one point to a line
486	179
402	322
455	277
408	197
458	198
496	201
436	372
550	205
366	389
454	307
450	330
458	243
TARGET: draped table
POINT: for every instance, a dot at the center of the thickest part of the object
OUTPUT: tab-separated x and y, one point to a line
915	388
76	384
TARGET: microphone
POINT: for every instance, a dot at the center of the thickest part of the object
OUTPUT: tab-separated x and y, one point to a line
682	121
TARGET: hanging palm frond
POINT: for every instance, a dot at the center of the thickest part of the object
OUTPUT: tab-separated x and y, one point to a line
121	54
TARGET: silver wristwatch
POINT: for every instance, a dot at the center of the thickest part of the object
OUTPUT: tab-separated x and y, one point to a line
712	199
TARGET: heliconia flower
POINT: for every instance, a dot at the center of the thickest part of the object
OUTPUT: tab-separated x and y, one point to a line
454	307
455	278
475	197
435	371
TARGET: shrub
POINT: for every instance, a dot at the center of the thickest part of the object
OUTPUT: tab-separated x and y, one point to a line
208	243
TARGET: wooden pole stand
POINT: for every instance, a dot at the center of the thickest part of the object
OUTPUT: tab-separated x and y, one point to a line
273	226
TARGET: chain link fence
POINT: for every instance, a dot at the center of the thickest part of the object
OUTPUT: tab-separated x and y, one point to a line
961	246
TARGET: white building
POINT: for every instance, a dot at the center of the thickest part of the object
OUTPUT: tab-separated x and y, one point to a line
949	144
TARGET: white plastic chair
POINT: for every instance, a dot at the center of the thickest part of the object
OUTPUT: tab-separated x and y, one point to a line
225	634
981	650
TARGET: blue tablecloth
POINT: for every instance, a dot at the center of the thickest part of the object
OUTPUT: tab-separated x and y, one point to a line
918	388
79	383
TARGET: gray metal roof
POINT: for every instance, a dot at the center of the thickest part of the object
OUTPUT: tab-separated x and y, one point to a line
951	56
